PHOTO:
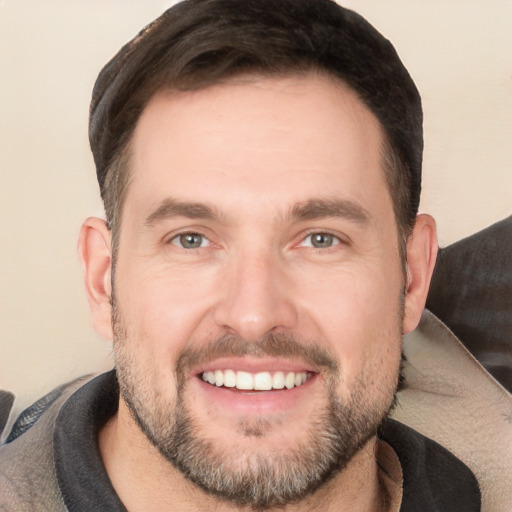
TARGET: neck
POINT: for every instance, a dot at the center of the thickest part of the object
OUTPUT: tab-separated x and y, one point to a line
137	471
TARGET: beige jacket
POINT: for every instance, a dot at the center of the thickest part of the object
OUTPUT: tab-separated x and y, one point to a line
450	398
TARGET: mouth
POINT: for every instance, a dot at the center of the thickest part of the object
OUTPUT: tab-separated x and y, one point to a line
245	386
260	381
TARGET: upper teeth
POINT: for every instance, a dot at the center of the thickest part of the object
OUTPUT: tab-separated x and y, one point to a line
261	381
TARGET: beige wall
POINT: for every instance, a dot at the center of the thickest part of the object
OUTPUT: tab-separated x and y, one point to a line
458	51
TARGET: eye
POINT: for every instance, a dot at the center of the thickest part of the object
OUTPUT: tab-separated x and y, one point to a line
320	241
190	241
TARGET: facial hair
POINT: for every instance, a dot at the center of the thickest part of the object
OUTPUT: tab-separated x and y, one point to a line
254	479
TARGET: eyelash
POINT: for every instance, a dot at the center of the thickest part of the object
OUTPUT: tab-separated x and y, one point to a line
177	240
180	236
336	239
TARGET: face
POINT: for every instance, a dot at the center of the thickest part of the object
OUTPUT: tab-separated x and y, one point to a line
258	285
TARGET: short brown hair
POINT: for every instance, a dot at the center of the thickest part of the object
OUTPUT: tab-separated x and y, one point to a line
198	43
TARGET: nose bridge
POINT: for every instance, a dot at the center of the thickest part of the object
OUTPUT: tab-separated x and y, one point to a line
256	298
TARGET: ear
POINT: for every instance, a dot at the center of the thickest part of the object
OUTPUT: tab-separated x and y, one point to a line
421	258
95	254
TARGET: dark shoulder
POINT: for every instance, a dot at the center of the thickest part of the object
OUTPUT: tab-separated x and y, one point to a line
434	480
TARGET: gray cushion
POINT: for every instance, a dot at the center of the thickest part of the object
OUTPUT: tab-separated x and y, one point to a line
471	293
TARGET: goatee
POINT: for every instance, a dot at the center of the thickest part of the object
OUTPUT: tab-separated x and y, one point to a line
255	479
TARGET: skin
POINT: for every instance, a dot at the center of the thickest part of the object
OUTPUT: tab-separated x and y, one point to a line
255	152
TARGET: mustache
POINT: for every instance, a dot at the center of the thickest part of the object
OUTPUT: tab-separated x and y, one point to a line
273	345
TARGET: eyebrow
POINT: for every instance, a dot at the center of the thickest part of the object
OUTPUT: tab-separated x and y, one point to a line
307	210
171	207
337	208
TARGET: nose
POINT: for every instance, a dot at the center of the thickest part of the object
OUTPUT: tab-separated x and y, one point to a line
256	297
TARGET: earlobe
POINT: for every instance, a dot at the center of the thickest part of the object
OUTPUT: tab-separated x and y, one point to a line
95	254
421	258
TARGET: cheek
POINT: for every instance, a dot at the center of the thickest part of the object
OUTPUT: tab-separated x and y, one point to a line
351	297
162	310
358	312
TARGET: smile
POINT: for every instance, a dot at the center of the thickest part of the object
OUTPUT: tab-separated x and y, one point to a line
261	381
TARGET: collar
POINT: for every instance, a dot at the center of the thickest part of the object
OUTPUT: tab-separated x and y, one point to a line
81	475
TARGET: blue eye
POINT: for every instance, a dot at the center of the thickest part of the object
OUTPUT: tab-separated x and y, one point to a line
320	240
190	241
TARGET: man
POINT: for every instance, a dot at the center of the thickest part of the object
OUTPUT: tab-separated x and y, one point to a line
260	166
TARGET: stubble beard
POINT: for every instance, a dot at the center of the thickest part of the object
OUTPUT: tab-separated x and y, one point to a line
256	480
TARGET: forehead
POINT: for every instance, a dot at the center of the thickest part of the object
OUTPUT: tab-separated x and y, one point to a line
272	137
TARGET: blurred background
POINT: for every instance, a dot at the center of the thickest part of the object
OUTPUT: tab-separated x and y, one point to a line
458	52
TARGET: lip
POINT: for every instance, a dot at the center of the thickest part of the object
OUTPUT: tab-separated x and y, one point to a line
253	365
234	402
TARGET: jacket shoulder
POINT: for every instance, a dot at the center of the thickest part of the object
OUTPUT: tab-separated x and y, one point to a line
27	470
